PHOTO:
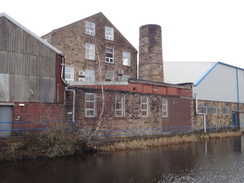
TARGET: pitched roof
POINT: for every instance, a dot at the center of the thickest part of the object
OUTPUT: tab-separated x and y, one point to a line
97	14
29	32
186	72
193	72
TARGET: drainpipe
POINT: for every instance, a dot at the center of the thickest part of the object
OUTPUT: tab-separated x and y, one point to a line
62	71
237	89
73	106
203	114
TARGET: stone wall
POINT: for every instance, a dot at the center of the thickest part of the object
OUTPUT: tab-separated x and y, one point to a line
179	110
71	41
217	119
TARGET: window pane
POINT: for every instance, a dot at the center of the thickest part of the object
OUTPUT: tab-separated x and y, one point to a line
165	107
109	33
119	113
126	58
90	51
144	106
90	28
118	105
90	105
90	112
144	100
69	73
90	75
109	55
144	113
90	97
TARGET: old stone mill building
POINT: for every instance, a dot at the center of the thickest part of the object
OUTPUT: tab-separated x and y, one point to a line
102	78
87	72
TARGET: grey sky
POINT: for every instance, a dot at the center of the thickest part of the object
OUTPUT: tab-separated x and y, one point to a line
192	30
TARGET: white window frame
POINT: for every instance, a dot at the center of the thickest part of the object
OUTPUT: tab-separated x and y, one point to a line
90	75
109	55
87	100
126	58
90	51
144	106
165	107
203	109
69	71
120	101
224	109
109	33
212	110
125	77
90	28
109	76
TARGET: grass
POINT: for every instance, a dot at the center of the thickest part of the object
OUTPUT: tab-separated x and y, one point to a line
161	141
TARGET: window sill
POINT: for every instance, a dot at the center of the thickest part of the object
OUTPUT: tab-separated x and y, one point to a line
109	62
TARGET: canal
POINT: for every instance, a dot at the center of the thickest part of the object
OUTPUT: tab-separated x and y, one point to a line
216	160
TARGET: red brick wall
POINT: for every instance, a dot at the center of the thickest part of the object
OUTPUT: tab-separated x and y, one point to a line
36	113
179	113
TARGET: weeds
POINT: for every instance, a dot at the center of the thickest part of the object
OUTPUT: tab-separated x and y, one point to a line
153	142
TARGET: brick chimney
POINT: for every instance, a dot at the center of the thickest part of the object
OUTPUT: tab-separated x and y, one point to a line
150	53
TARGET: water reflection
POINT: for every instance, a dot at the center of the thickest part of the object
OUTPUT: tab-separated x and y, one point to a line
218	160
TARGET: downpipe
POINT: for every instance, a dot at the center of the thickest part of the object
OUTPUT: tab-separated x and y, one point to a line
62	70
73	105
203	114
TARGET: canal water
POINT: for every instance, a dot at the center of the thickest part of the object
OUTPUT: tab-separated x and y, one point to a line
216	160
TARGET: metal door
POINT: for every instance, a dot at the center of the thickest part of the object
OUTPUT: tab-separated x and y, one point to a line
5	120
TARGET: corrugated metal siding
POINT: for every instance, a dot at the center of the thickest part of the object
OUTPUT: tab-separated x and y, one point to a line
218	85
183	72
29	64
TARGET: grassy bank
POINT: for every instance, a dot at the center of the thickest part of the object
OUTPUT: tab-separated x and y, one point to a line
48	144
57	143
160	141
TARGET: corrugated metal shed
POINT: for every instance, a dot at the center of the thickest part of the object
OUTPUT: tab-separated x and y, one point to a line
184	72
31	33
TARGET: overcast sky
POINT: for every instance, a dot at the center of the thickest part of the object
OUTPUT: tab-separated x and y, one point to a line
192	30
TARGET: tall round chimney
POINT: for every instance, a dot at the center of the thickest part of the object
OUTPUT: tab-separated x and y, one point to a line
150	53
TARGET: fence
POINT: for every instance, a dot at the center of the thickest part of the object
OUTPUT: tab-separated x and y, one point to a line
25	126
151	131
18	127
